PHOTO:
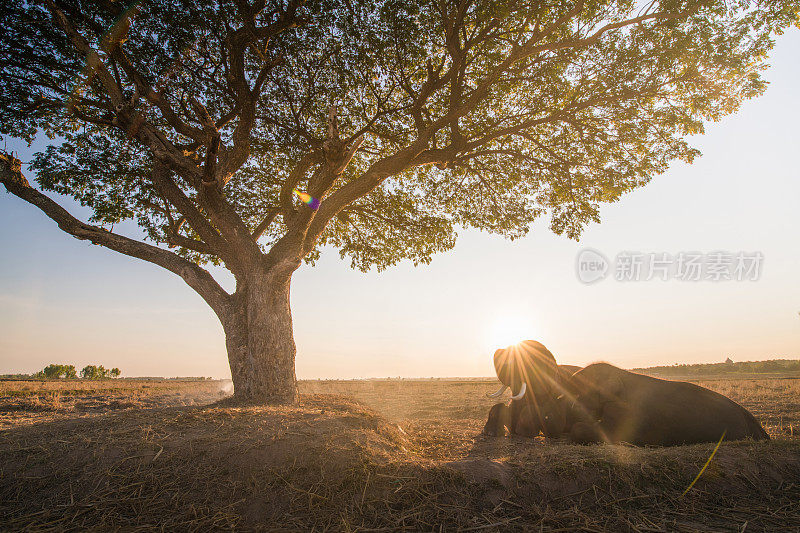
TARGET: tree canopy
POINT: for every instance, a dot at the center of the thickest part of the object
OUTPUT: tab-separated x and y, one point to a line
443	114
99	372
55	371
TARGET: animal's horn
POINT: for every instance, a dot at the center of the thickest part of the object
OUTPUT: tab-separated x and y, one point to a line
498	393
521	392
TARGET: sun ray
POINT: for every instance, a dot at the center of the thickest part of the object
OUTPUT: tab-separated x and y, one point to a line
509	330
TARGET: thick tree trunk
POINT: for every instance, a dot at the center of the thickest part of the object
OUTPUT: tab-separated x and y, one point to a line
260	341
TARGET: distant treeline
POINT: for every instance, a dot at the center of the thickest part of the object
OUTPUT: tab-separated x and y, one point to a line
92	372
774	366
55	371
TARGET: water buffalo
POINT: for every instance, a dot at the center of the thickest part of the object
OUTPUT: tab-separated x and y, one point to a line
603	403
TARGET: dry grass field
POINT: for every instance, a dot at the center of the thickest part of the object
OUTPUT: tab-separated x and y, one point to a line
30	401
368	456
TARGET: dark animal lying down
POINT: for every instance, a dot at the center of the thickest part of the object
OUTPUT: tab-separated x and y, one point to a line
603	403
522	417
614	405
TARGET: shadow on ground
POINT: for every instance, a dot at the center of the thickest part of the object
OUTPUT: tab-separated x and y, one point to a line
333	463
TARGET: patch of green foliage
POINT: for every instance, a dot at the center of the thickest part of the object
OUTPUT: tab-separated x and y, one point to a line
57	371
54	371
99	372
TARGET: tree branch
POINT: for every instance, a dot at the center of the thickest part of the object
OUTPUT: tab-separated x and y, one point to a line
264	224
402	159
204	229
196	277
176	239
361	186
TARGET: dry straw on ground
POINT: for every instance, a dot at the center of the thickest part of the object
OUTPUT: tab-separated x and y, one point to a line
333	463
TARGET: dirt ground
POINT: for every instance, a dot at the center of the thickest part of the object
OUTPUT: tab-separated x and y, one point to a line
368	456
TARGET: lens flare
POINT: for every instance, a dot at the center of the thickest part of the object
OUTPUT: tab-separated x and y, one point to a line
307	199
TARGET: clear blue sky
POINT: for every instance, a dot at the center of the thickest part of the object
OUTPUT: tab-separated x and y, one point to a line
63	300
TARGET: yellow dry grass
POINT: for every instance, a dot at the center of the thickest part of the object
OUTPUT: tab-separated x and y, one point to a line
774	401
25	402
116	386
370	456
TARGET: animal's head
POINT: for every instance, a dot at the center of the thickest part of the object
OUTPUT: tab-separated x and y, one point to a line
527	367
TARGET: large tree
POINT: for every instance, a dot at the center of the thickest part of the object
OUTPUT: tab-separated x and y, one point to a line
397	122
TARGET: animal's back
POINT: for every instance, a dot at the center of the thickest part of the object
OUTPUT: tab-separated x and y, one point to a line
662	412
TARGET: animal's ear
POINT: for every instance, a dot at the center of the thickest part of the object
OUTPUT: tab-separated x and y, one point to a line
540	349
530	343
539	356
540	367
499	357
502	365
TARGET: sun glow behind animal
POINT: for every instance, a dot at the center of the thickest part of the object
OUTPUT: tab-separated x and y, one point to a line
507	330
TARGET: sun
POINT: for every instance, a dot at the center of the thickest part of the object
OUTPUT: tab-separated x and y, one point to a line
507	330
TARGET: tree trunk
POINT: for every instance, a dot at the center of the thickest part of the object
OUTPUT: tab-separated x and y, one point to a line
260	341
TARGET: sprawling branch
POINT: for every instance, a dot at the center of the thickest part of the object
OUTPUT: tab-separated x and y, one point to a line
132	124
208	181
247	97
175	239
196	277
408	156
172	193
155	97
361	186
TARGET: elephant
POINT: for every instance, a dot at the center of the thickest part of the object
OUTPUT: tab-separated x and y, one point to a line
522	419
535	379
609	404
603	403
569	370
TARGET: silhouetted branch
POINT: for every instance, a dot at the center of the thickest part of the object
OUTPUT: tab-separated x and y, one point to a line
196	277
